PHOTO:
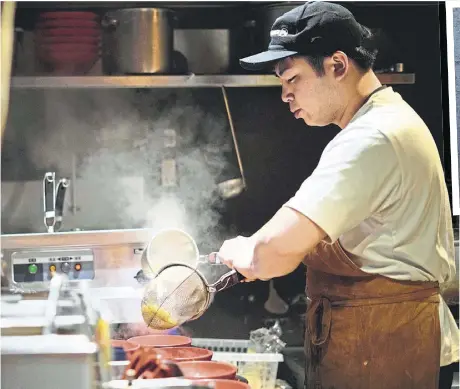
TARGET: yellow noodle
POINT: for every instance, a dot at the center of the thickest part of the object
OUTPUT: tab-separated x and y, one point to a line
161	318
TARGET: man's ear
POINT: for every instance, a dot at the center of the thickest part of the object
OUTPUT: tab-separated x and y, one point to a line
338	64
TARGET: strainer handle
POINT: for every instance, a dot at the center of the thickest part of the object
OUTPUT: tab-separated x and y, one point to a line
227	281
212	258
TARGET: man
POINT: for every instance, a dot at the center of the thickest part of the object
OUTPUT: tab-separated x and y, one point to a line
372	223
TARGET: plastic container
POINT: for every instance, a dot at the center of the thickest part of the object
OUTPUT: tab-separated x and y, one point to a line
259	369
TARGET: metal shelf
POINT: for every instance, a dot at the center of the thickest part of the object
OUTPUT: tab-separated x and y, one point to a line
173	81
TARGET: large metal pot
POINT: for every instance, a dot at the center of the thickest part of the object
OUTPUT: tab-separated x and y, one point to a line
137	41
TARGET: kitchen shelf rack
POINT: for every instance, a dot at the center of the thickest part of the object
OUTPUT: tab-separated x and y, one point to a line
173	81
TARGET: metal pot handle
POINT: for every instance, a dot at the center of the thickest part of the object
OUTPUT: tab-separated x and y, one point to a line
109	23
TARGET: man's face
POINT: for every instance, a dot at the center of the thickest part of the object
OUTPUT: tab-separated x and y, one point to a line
311	97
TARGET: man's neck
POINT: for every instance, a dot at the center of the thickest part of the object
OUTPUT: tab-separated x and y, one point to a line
365	85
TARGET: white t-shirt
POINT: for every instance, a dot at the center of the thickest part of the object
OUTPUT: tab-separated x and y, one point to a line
379	187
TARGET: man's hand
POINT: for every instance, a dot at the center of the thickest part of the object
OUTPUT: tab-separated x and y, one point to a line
238	254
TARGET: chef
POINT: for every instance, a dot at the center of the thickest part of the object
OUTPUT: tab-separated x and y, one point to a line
372	223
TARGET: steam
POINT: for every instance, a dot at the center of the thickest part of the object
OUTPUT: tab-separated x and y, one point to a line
117	138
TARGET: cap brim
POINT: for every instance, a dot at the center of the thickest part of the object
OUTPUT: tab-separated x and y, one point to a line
265	59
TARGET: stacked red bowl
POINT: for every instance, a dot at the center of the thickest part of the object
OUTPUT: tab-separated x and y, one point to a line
68	42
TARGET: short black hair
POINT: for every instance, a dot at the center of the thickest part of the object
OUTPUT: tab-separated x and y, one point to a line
364	56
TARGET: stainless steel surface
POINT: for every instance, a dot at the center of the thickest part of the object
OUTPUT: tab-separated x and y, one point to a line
59	342
50	344
135	238
35	326
117	258
211	44
64	311
48	362
137	41
173	81
237	150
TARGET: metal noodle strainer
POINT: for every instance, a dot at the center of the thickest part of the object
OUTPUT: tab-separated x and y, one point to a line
167	247
180	293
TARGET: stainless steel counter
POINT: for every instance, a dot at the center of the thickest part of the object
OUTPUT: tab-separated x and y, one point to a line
115	258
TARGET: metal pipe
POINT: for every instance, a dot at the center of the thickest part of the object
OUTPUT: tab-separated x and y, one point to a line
232	129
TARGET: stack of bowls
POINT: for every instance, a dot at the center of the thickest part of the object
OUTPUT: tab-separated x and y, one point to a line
194	362
68	43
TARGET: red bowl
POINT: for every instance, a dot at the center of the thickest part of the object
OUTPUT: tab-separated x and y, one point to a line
66	47
223	384
88	40
184	354
93	32
68	15
73	23
207	369
53	56
68	63
158	341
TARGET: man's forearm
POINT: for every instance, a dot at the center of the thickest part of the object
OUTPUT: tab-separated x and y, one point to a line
268	263
282	243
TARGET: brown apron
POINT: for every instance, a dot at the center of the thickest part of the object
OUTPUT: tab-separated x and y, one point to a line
367	331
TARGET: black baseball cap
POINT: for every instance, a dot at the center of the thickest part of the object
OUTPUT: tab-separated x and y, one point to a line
316	27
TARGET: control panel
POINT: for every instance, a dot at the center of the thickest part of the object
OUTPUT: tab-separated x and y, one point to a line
41	266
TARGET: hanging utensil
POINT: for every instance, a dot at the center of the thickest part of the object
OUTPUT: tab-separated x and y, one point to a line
53	201
49	200
180	293
233	187
60	197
